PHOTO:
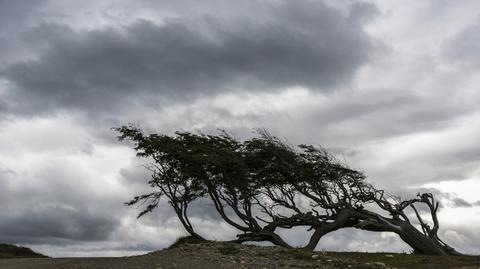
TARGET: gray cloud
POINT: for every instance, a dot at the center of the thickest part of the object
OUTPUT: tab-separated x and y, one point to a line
53	208
4	177
49	207
54	223
406	117
464	47
303	44
459	202
445	199
15	18
341	120
14	12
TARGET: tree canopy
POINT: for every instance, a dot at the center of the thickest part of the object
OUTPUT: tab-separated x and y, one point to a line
263	184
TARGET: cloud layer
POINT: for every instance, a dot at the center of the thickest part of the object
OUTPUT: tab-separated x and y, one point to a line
390	87
309	44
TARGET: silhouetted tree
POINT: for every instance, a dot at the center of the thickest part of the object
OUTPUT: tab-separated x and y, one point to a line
263	184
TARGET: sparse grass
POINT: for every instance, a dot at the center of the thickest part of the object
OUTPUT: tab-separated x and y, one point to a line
400	260
193	253
359	260
186	240
228	249
12	251
299	254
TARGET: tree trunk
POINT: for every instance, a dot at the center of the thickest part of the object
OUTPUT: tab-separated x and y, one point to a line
325	228
195	235
263	235
419	242
182	216
316	236
422	244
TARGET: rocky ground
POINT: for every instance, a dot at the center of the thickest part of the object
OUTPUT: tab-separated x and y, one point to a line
226	255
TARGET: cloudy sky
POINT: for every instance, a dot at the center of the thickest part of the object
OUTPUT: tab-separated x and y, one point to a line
390	86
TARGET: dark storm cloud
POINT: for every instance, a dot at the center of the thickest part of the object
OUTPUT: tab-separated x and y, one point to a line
44	224
12	10
303	44
19	9
43	213
138	60
15	18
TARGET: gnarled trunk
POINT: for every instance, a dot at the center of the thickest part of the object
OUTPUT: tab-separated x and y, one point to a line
418	241
369	221
263	235
422	244
325	228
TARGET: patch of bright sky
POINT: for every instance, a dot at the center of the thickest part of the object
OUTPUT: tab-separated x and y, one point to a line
466	189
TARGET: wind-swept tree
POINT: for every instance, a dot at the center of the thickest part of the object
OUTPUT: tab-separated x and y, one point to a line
260	185
339	197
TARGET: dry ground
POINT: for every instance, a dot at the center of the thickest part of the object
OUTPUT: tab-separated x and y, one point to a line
225	255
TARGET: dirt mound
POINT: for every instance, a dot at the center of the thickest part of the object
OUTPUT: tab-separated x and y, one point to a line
232	256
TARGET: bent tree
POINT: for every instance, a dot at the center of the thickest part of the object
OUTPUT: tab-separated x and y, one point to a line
263	184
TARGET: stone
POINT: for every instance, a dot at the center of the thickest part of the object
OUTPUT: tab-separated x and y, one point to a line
380	264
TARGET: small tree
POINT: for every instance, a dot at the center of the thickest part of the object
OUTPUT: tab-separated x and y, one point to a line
262	184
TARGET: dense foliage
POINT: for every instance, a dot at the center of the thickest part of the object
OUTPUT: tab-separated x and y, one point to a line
263	184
